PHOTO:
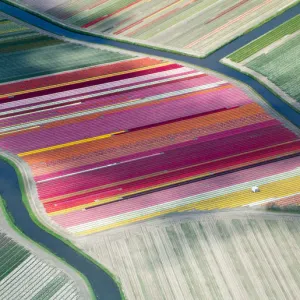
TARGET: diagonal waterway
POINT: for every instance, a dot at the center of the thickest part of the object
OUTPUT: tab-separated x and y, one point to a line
101	282
210	62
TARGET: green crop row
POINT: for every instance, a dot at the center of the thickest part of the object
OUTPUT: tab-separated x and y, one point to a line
267	39
168	22
51	287
7	27
26	42
11	255
52	59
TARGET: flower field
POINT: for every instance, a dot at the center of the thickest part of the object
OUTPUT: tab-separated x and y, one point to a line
227	255
126	147
23	275
273	59
189	26
121	142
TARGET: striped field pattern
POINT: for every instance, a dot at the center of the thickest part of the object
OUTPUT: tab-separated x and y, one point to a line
156	138
186	25
286	29
25	276
227	255
141	137
25	53
273	57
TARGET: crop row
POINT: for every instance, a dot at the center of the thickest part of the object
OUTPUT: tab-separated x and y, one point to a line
25	276
52	59
120	213
24	54
192	192
11	29
185	157
167	142
212	257
272	36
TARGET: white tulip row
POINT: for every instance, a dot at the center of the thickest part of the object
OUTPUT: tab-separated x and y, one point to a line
115	106
94	88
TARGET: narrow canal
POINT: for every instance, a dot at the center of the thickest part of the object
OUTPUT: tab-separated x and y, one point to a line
103	285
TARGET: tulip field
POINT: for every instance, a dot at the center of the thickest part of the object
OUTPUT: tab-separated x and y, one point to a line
154	178
199	27
23	275
274	56
120	142
222	255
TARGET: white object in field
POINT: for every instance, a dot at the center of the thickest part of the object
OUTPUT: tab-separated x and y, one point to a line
255	189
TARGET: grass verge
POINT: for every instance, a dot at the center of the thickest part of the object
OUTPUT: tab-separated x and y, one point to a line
266	86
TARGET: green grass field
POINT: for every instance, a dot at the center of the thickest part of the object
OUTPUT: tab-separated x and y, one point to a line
272	36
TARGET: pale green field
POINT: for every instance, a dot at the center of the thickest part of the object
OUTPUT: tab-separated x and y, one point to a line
25	54
212	256
281	66
272	36
52	59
